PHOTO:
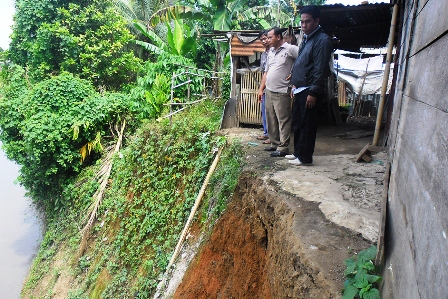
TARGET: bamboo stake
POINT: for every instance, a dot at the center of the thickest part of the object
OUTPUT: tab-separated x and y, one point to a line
172	95
379	116
195	207
192	213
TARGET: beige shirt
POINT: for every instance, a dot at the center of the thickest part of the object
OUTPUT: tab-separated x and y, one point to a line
279	66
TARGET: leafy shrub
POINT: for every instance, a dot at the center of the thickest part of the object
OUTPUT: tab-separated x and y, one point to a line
360	273
158	95
226	85
86	38
158	74
44	128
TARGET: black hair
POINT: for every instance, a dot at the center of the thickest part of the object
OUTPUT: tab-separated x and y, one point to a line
312	10
262	32
278	31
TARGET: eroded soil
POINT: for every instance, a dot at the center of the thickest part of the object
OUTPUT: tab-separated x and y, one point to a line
288	229
233	264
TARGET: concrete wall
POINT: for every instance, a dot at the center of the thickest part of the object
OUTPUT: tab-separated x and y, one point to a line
416	260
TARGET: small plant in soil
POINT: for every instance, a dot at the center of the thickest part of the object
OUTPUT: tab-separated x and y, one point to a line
361	276
344	109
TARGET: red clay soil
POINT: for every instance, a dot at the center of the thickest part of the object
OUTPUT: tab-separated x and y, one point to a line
232	264
271	244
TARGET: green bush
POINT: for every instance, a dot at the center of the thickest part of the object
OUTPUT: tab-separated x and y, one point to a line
361	276
157	75
86	38
44	128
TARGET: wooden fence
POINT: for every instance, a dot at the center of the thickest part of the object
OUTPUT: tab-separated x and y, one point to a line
249	109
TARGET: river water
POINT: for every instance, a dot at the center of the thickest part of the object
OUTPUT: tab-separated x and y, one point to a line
20	231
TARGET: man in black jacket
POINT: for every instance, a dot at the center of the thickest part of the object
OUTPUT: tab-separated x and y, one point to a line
308	76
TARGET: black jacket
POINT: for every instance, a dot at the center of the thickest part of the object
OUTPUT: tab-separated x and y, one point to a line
312	66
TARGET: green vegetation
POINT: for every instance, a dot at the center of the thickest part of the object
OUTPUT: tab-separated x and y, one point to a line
152	189
56	127
55	119
70	77
179	41
166	65
345	108
361	276
85	38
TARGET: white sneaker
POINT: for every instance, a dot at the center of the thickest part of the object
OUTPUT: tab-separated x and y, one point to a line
298	162
290	157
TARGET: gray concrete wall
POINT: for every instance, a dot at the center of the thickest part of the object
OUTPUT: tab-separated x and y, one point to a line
416	261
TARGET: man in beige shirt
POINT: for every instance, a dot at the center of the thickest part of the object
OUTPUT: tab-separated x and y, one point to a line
275	82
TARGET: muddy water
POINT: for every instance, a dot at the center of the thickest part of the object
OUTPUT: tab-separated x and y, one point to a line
20	231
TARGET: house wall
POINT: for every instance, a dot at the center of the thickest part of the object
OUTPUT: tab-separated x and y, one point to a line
416	247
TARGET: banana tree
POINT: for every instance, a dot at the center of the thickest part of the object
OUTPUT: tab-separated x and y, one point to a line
266	16
179	41
169	13
222	13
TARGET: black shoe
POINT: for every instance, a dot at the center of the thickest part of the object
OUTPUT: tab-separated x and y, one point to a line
269	149
278	154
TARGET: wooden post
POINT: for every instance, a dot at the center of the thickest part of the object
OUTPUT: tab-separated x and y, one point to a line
190	218
360	99
172	95
379	116
188	93
379	260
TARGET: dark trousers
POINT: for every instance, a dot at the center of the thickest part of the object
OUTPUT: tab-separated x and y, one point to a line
304	127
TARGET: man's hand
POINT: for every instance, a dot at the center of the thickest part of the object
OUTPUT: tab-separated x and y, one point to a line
262	87
260	95
310	101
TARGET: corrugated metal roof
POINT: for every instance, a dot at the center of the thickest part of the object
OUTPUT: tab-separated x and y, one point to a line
245	44
354	26
357	26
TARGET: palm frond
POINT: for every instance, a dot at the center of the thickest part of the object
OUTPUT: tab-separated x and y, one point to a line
158	42
103	177
126	9
150	47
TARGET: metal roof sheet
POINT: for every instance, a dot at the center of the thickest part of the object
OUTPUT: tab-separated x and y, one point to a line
245	44
357	26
